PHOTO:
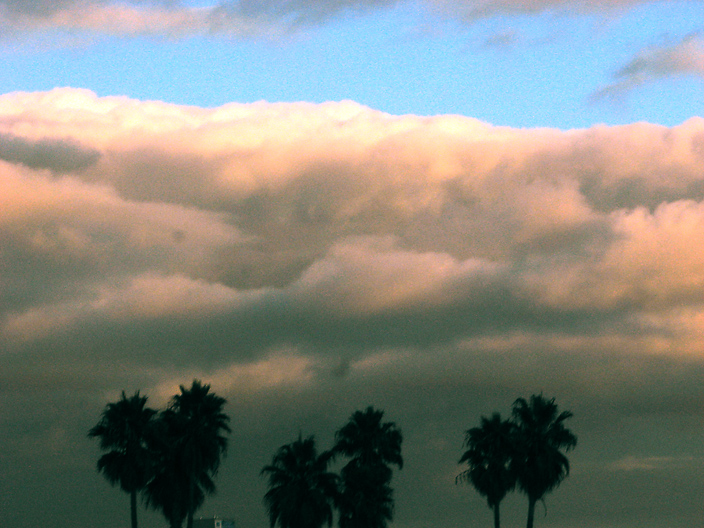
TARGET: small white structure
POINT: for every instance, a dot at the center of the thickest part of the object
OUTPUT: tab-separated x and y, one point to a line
213	522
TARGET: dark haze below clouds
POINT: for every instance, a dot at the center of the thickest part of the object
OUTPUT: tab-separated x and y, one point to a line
309	260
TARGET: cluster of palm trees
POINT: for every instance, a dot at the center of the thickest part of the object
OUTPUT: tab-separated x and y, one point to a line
169	456
524	451
303	493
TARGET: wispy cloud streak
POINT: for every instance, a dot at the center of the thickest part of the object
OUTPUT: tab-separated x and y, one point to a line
656	63
249	18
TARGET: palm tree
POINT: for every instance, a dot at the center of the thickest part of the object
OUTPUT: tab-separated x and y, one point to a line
169	488
301	490
188	443
368	441
541	436
122	431
489	455
366	497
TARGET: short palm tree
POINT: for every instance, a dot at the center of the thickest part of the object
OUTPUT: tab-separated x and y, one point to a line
122	431
301	490
489	454
366	497
541	436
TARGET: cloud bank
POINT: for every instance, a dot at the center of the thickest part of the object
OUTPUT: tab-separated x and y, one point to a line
243	210
308	259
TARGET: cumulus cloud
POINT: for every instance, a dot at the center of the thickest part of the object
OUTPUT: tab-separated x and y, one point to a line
655	63
313	259
336	214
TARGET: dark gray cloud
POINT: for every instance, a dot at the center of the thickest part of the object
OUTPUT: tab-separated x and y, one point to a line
304	11
57	155
38	8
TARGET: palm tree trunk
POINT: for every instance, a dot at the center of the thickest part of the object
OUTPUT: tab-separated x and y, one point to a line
191	493
497	519
531	511
133	508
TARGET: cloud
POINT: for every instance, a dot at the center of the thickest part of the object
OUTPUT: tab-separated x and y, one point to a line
478	9
54	154
130	18
309	260
632	463
238	19
250	18
337	216
655	63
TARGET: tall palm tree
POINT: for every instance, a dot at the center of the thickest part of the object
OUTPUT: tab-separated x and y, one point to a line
122	431
189	444
541	437
489	455
367	440
366	497
301	490
169	487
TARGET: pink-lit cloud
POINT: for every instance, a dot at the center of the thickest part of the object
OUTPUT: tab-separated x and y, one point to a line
360	211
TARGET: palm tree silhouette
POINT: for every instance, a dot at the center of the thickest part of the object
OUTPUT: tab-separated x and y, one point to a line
301	490
541	435
188	444
168	489
489	455
122	430
366	497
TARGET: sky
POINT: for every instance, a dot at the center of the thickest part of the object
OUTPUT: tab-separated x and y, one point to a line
431	207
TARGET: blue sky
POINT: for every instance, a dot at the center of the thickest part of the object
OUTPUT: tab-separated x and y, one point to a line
516	69
432	207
